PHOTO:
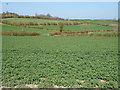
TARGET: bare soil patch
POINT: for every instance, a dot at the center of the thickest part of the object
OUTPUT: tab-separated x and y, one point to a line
82	81
55	86
102	81
31	86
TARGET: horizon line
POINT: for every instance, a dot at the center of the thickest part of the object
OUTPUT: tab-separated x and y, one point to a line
69	18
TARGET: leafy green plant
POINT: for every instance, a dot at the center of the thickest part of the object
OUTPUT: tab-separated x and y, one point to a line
60	61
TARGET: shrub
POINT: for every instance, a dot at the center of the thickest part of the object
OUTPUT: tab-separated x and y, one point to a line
31	23
20	33
76	33
55	33
61	26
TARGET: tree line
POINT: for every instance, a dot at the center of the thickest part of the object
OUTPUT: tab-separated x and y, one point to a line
39	16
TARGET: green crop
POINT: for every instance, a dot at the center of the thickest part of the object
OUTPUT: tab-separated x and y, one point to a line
59	61
82	62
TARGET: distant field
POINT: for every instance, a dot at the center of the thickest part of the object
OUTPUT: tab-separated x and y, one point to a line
46	29
16	28
26	20
105	22
75	27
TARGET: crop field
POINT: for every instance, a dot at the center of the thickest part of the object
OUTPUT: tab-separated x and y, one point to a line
66	27
46	61
78	27
46	26
16	28
61	61
27	20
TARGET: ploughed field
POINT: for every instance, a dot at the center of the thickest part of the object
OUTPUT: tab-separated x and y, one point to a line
59	61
